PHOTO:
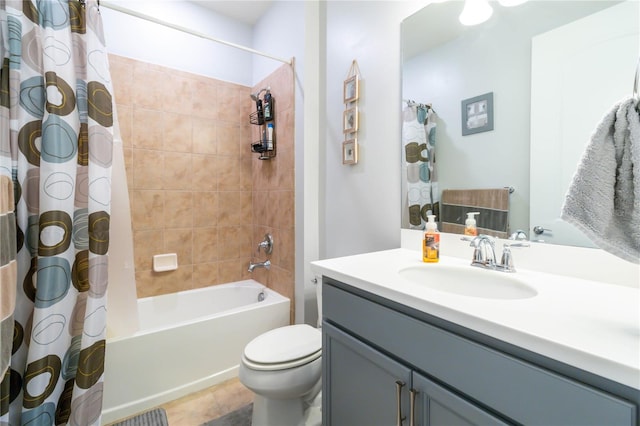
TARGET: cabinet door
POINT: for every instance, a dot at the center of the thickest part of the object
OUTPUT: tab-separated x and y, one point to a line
360	385
436	406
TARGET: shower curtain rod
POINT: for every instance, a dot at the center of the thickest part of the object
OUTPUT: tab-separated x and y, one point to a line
117	8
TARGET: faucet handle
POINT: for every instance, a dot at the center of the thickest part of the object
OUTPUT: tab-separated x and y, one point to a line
506	262
519	235
266	244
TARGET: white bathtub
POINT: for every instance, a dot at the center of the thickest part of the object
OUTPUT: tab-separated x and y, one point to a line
187	341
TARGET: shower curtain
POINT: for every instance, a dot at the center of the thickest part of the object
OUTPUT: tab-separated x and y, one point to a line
56	117
420	183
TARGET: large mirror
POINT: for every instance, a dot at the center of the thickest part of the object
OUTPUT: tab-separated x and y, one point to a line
577	58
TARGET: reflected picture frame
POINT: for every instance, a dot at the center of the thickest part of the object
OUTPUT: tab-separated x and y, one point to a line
351	90
477	114
350	151
350	120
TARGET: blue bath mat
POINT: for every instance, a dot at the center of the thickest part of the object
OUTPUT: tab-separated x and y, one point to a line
156	417
239	417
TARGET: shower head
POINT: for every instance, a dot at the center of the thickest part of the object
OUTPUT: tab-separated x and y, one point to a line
256	96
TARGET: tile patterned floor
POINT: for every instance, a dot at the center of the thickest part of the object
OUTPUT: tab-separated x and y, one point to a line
207	404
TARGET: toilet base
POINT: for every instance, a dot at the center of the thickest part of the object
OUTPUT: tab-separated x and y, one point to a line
283	412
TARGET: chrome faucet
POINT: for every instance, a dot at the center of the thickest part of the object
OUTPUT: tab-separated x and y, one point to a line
484	253
266	265
267	245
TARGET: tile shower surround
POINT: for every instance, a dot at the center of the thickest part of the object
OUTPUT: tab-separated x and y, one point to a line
195	188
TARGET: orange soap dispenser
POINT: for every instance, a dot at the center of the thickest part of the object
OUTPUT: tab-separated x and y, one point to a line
470	224
431	242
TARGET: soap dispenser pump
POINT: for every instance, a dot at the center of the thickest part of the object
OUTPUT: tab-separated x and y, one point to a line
470	224
431	242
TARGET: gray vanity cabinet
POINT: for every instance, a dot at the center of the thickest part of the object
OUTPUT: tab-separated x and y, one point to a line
366	387
364	384
436	406
382	360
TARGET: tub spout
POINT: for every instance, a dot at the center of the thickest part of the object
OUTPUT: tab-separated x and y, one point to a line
266	264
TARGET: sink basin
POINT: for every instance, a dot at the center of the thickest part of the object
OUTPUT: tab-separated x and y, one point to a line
469	281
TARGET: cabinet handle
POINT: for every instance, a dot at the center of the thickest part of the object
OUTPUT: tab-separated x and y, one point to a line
412	414
399	417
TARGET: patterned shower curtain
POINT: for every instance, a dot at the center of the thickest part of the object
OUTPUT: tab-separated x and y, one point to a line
56	117
420	181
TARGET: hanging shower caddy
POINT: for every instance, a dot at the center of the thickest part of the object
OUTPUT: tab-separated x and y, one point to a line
264	117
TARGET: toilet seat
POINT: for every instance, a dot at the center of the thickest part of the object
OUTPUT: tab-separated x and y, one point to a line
284	347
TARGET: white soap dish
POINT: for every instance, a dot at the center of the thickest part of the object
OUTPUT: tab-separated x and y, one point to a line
165	262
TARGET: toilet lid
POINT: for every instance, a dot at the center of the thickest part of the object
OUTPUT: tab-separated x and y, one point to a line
284	344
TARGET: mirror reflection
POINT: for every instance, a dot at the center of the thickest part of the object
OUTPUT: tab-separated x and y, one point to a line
447	68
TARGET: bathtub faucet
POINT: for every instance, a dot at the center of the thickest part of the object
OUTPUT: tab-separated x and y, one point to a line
266	264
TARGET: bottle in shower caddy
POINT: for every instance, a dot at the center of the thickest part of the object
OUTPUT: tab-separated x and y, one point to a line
259	111
431	241
265	141
270	137
268	106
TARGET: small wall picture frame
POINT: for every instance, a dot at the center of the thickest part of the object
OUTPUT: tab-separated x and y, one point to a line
350	120
350	151
477	114
351	90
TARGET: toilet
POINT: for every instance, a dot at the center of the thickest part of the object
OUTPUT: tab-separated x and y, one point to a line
283	367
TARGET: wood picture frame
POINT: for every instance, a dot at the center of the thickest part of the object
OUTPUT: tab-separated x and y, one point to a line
350	120
351	90
350	151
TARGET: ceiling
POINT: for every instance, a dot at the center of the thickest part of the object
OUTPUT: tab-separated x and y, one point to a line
246	11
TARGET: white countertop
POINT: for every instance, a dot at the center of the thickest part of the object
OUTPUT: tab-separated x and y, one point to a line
587	324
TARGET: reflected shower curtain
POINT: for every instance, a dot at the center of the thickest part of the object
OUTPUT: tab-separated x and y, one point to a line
419	179
56	117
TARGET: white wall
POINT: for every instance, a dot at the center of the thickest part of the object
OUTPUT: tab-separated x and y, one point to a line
279	32
149	42
360	204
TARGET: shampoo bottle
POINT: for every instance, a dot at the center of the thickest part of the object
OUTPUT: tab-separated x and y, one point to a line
431	242
470	224
268	106
260	112
270	137
265	141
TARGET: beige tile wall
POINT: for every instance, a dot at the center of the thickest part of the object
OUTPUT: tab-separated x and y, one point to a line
273	187
195	187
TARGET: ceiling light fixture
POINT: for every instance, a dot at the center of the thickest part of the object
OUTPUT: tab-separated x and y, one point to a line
475	12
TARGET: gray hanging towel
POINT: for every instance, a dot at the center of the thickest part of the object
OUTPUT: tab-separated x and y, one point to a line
603	200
